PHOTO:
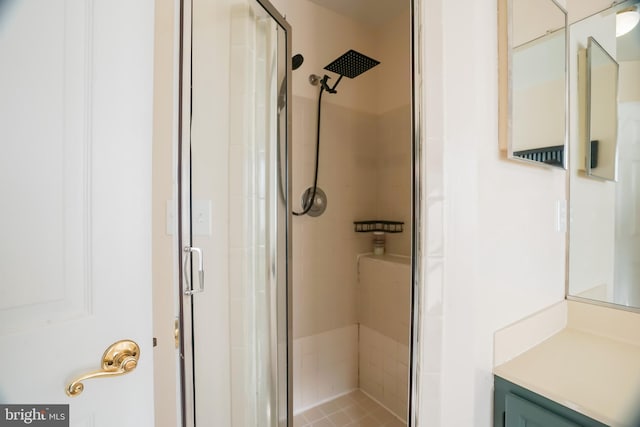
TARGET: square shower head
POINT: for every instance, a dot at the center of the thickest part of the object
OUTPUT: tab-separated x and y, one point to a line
352	64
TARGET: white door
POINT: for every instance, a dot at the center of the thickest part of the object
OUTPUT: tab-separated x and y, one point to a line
75	189
627	268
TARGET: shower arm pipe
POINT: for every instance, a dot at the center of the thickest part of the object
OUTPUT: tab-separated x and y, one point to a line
325	85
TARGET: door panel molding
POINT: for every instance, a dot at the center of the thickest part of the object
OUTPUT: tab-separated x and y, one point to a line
48	266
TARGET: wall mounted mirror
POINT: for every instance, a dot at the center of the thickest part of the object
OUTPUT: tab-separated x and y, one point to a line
602	112
533	81
604	227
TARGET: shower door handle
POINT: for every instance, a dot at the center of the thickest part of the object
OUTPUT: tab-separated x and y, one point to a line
188	251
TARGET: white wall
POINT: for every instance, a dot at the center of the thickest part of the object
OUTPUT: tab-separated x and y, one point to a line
491	252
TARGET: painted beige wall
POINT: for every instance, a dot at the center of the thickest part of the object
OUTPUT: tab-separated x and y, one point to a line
393	45
533	19
580	9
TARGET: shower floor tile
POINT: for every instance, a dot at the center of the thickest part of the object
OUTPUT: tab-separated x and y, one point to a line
355	409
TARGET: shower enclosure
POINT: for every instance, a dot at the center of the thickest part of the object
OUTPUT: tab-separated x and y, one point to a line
238	329
234	213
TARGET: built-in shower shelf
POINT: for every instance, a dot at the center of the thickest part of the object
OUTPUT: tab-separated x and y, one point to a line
378	225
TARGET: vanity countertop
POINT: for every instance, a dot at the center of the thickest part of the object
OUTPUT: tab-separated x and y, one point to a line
593	374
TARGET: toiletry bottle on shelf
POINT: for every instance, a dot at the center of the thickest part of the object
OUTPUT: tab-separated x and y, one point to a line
378	242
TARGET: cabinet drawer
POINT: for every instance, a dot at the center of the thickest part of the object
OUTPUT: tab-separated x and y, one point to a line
522	413
516	406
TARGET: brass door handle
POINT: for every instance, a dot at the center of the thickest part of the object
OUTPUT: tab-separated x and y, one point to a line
120	358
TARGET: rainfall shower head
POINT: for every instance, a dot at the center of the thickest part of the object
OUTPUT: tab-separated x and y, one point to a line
352	64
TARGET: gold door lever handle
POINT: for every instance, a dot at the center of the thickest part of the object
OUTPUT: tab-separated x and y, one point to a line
120	358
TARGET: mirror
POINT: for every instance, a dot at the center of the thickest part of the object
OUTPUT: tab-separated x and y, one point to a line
604	230
602	112
533	81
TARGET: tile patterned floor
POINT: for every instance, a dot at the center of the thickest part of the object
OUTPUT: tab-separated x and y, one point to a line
351	410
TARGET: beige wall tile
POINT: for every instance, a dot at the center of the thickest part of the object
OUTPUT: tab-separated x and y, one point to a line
326	366
384	297
383	370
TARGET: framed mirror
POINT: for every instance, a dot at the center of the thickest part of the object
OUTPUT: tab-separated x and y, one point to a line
602	113
533	81
604	226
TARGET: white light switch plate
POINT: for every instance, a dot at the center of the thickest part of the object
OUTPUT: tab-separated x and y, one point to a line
201	217
170	217
561	216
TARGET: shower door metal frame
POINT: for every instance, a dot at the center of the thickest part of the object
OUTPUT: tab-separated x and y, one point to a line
186	385
284	314
282	341
417	224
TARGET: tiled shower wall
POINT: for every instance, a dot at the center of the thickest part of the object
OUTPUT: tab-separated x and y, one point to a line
365	164
394	174
325	366
384	314
326	248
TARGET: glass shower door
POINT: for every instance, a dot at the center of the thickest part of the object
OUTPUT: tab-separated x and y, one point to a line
235	214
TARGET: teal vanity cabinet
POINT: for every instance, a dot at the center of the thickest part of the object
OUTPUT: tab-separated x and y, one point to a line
515	406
